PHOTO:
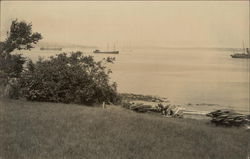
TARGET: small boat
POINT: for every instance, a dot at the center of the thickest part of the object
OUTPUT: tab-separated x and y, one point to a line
245	54
241	55
105	52
50	48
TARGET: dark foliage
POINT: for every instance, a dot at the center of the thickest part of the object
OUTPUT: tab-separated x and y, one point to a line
11	65
20	37
69	79
1	47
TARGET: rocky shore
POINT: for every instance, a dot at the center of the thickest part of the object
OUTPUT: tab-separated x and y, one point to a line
203	111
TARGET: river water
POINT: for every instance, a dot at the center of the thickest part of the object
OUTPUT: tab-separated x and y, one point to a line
199	79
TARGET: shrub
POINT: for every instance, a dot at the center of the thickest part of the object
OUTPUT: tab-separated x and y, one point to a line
11	67
69	79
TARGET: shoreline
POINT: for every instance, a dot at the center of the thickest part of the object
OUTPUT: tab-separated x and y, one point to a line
190	110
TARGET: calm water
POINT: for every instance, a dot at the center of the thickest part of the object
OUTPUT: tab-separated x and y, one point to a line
195	76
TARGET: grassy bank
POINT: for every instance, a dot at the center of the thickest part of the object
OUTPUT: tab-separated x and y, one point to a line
32	130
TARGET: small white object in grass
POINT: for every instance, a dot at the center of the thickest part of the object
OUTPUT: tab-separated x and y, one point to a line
248	127
103	105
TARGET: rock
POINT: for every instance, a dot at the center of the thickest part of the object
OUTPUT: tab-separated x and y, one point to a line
228	118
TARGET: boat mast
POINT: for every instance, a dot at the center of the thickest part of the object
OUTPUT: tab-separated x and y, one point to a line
243	47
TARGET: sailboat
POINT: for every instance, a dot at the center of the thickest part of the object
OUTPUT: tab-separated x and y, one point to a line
245	54
106	52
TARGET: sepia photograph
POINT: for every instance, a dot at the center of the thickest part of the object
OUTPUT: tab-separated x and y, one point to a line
124	79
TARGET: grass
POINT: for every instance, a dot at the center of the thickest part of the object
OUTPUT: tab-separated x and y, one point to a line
33	130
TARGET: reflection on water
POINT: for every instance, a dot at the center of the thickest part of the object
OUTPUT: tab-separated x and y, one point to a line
183	75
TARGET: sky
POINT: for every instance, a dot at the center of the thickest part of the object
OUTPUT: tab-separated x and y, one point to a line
140	23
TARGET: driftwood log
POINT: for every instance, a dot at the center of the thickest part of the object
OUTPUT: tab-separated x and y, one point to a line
165	109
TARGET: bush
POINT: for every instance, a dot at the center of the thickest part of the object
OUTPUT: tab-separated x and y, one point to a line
69	79
11	67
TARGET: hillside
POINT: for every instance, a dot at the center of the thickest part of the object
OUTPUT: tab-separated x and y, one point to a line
31	130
